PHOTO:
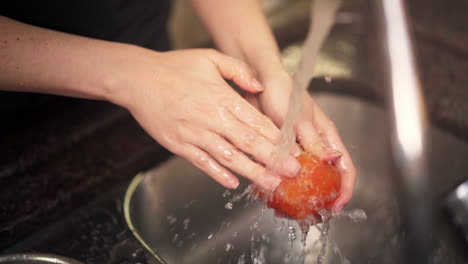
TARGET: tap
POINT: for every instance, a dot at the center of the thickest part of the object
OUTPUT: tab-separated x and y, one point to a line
398	73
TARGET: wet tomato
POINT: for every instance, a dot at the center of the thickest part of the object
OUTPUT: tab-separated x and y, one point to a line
311	194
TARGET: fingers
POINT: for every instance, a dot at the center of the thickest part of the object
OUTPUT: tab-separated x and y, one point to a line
311	140
348	177
207	164
344	163
237	71
234	159
250	141
251	117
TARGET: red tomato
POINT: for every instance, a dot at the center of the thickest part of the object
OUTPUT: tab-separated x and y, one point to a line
311	194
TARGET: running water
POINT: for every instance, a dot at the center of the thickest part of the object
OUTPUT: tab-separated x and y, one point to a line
297	242
249	232
322	15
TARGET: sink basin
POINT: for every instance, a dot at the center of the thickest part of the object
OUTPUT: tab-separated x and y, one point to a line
183	216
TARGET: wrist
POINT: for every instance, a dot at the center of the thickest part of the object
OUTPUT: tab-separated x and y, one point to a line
267	62
116	80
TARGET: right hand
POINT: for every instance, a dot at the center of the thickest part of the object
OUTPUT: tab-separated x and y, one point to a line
182	100
315	132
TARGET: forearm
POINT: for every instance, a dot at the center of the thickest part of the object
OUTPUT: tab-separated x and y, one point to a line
240	29
34	59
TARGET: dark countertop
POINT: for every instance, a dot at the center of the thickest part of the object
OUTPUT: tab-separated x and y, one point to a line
96	233
63	154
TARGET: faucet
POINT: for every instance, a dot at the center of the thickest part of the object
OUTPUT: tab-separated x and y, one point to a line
407	112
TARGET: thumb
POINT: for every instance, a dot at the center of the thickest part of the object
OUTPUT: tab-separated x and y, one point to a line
237	71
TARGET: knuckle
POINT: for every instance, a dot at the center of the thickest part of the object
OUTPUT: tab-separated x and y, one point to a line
200	159
254	172
228	155
171	141
249	141
276	138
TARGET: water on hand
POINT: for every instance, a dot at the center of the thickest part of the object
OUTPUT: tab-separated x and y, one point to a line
273	239
322	15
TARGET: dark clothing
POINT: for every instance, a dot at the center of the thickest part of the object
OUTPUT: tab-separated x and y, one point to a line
139	22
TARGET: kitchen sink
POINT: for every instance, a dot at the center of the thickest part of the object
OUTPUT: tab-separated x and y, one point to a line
183	216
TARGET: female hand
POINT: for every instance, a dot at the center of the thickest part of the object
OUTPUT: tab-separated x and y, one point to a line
315	132
181	99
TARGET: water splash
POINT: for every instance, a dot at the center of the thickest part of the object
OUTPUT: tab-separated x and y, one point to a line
228	206
226	193
322	19
171	219
355	215
186	223
229	247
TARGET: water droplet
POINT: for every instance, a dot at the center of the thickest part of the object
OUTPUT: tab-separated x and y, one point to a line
228	206
171	219
192	235
241	259
186	223
280	226
180	243
357	215
229	246
226	193
175	238
291	235
210	236
190	203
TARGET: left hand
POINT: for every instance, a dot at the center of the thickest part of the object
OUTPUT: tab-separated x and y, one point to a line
315	132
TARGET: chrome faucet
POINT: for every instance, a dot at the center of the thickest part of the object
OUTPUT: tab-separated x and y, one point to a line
407	110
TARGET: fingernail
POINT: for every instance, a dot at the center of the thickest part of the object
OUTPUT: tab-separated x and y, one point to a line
233	183
274	182
271	181
332	155
256	84
292	166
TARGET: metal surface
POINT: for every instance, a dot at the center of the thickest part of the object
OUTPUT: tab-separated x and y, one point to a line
457	203
407	111
36	258
182	215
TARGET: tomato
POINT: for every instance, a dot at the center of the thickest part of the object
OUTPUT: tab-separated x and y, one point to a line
311	194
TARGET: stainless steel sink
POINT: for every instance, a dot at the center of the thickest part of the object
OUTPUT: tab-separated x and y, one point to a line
183	216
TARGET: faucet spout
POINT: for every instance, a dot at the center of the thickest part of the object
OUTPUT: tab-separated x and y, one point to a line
407	112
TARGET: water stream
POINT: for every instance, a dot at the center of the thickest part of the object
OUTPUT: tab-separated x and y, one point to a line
322	13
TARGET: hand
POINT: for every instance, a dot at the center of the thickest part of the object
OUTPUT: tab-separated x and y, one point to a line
315	132
181	98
